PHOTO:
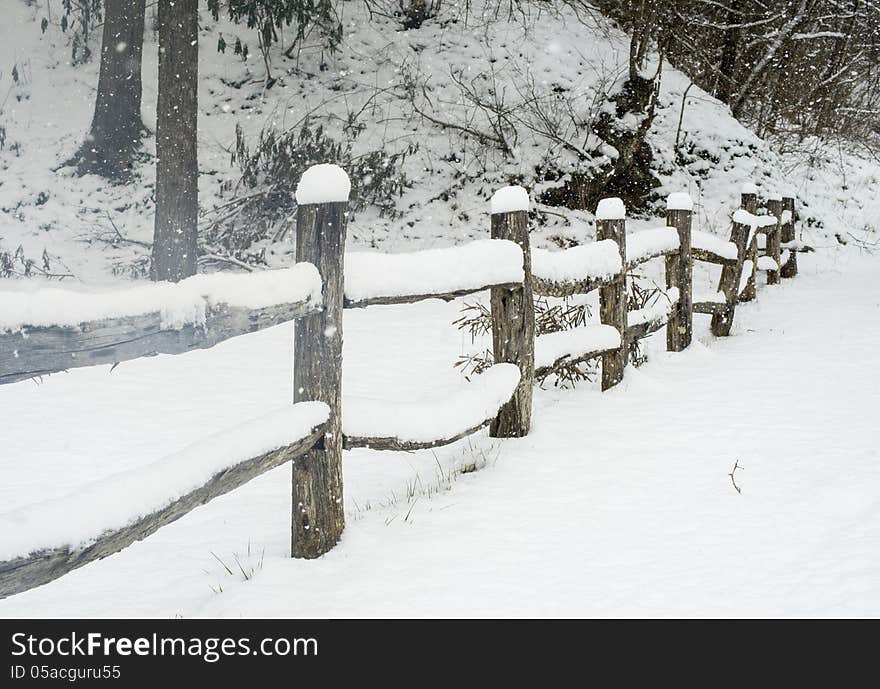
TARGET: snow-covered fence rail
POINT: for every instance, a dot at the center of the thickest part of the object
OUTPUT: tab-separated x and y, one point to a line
381	425
53	538
577	270
711	249
52	330
376	278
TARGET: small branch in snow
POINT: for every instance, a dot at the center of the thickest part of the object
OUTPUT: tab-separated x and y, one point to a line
732	475
217	258
122	238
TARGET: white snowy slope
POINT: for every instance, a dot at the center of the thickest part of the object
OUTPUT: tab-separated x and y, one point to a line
48	111
604	509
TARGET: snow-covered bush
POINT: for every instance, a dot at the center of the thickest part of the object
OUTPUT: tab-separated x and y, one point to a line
551	316
263	208
16	264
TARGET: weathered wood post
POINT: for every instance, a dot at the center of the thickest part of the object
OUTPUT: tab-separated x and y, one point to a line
750	203
513	315
774	237
680	273
790	269
729	283
318	510
611	224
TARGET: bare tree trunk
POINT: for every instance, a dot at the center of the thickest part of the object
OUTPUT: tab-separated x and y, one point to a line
117	126
727	68
738	102
175	239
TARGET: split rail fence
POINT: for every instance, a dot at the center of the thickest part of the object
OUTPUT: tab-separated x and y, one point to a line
205	310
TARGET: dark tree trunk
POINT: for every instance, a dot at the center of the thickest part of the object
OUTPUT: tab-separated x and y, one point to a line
116	124
727	68
175	239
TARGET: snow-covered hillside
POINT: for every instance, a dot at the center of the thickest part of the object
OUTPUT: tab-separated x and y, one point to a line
79	220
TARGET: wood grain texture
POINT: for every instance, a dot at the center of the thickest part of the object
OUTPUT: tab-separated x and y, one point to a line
637	332
318	511
722	318
568	360
513	330
399	445
41	351
632	263
43	566
790	269
750	291
709	307
612	304
414	298
567	288
680	274
774	240
711	257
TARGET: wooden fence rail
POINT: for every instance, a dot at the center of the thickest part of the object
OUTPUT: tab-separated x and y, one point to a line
325	282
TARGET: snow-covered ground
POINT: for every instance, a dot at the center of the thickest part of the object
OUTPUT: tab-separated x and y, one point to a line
616	504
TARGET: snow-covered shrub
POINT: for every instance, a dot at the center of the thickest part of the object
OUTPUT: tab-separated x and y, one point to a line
269	17
81	18
551	316
640	295
15	264
262	211
415	12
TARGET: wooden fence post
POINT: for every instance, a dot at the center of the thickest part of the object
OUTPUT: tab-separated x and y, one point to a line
680	273
790	269
774	240
318	510
729	282
750	204
611	224
513	315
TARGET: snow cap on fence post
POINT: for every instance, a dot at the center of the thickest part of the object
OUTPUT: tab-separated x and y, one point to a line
509	200
324	183
611	209
679	201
